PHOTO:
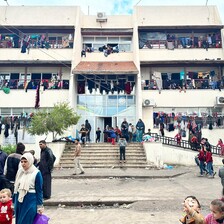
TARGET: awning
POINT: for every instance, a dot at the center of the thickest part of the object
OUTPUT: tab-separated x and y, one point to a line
94	67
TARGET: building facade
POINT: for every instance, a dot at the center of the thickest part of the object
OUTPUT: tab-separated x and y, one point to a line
160	61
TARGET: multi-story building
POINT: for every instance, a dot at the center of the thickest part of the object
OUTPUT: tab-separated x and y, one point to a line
114	67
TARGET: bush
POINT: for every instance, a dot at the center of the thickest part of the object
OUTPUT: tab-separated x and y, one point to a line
9	149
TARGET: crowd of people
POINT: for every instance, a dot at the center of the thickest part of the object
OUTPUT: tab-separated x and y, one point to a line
24	183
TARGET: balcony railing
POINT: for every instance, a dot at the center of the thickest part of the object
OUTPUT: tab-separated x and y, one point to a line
180	43
32	84
37	44
184	144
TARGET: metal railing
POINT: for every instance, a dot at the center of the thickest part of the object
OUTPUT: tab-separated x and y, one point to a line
183	143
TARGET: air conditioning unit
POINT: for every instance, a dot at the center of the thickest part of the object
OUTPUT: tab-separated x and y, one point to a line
148	103
101	17
219	100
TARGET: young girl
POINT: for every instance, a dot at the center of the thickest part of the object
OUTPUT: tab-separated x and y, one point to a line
217	212
221	145
6	211
192	209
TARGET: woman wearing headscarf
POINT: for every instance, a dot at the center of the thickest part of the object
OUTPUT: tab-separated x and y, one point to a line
140	129
28	194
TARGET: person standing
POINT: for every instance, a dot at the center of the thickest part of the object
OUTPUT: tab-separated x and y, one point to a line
122	144
98	133
124	129
78	149
221	145
209	162
202	159
161	128
130	132
178	138
6	210
3	157
46	165
221	174
84	131
140	129
28	194
12	164
88	127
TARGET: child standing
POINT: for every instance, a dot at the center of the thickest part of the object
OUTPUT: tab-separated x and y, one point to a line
178	138
98	133
221	145
122	143
209	162
6	211
112	135
192	209
217	212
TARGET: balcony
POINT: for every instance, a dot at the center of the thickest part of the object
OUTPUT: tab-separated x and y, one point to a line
36	55
184	54
22	99
99	56
190	98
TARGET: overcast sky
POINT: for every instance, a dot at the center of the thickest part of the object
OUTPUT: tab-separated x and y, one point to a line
113	7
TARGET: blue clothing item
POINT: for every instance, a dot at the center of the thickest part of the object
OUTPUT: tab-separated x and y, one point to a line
26	211
112	133
140	126
202	167
210	168
139	135
134	136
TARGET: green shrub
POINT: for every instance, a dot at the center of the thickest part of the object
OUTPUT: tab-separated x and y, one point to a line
9	149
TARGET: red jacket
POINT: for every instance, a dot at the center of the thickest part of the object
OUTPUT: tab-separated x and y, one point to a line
6	212
201	155
208	157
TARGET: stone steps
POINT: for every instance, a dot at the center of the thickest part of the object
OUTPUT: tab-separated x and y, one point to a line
104	155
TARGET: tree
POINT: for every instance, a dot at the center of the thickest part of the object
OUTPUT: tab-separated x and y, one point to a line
56	121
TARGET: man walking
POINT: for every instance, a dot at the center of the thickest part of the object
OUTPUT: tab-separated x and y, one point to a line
46	165
77	157
12	164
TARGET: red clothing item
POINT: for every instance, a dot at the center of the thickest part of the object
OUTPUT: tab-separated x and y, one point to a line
201	155
6	212
208	157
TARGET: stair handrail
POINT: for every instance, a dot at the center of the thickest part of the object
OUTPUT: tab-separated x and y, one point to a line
185	144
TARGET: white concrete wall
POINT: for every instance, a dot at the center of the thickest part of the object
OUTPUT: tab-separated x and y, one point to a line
173	98
38	15
27	99
161	154
180	54
115	21
35	55
99	56
177	15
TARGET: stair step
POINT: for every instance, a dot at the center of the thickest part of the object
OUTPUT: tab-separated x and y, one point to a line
105	151
104	155
104	161
115	165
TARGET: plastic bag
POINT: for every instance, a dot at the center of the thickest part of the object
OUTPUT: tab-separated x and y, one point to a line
41	219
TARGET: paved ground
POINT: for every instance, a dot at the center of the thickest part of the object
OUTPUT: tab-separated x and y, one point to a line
150	196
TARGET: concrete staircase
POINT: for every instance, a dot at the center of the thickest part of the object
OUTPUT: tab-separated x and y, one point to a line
105	155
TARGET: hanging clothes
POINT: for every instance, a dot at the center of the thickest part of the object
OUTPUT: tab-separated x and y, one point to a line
157	76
